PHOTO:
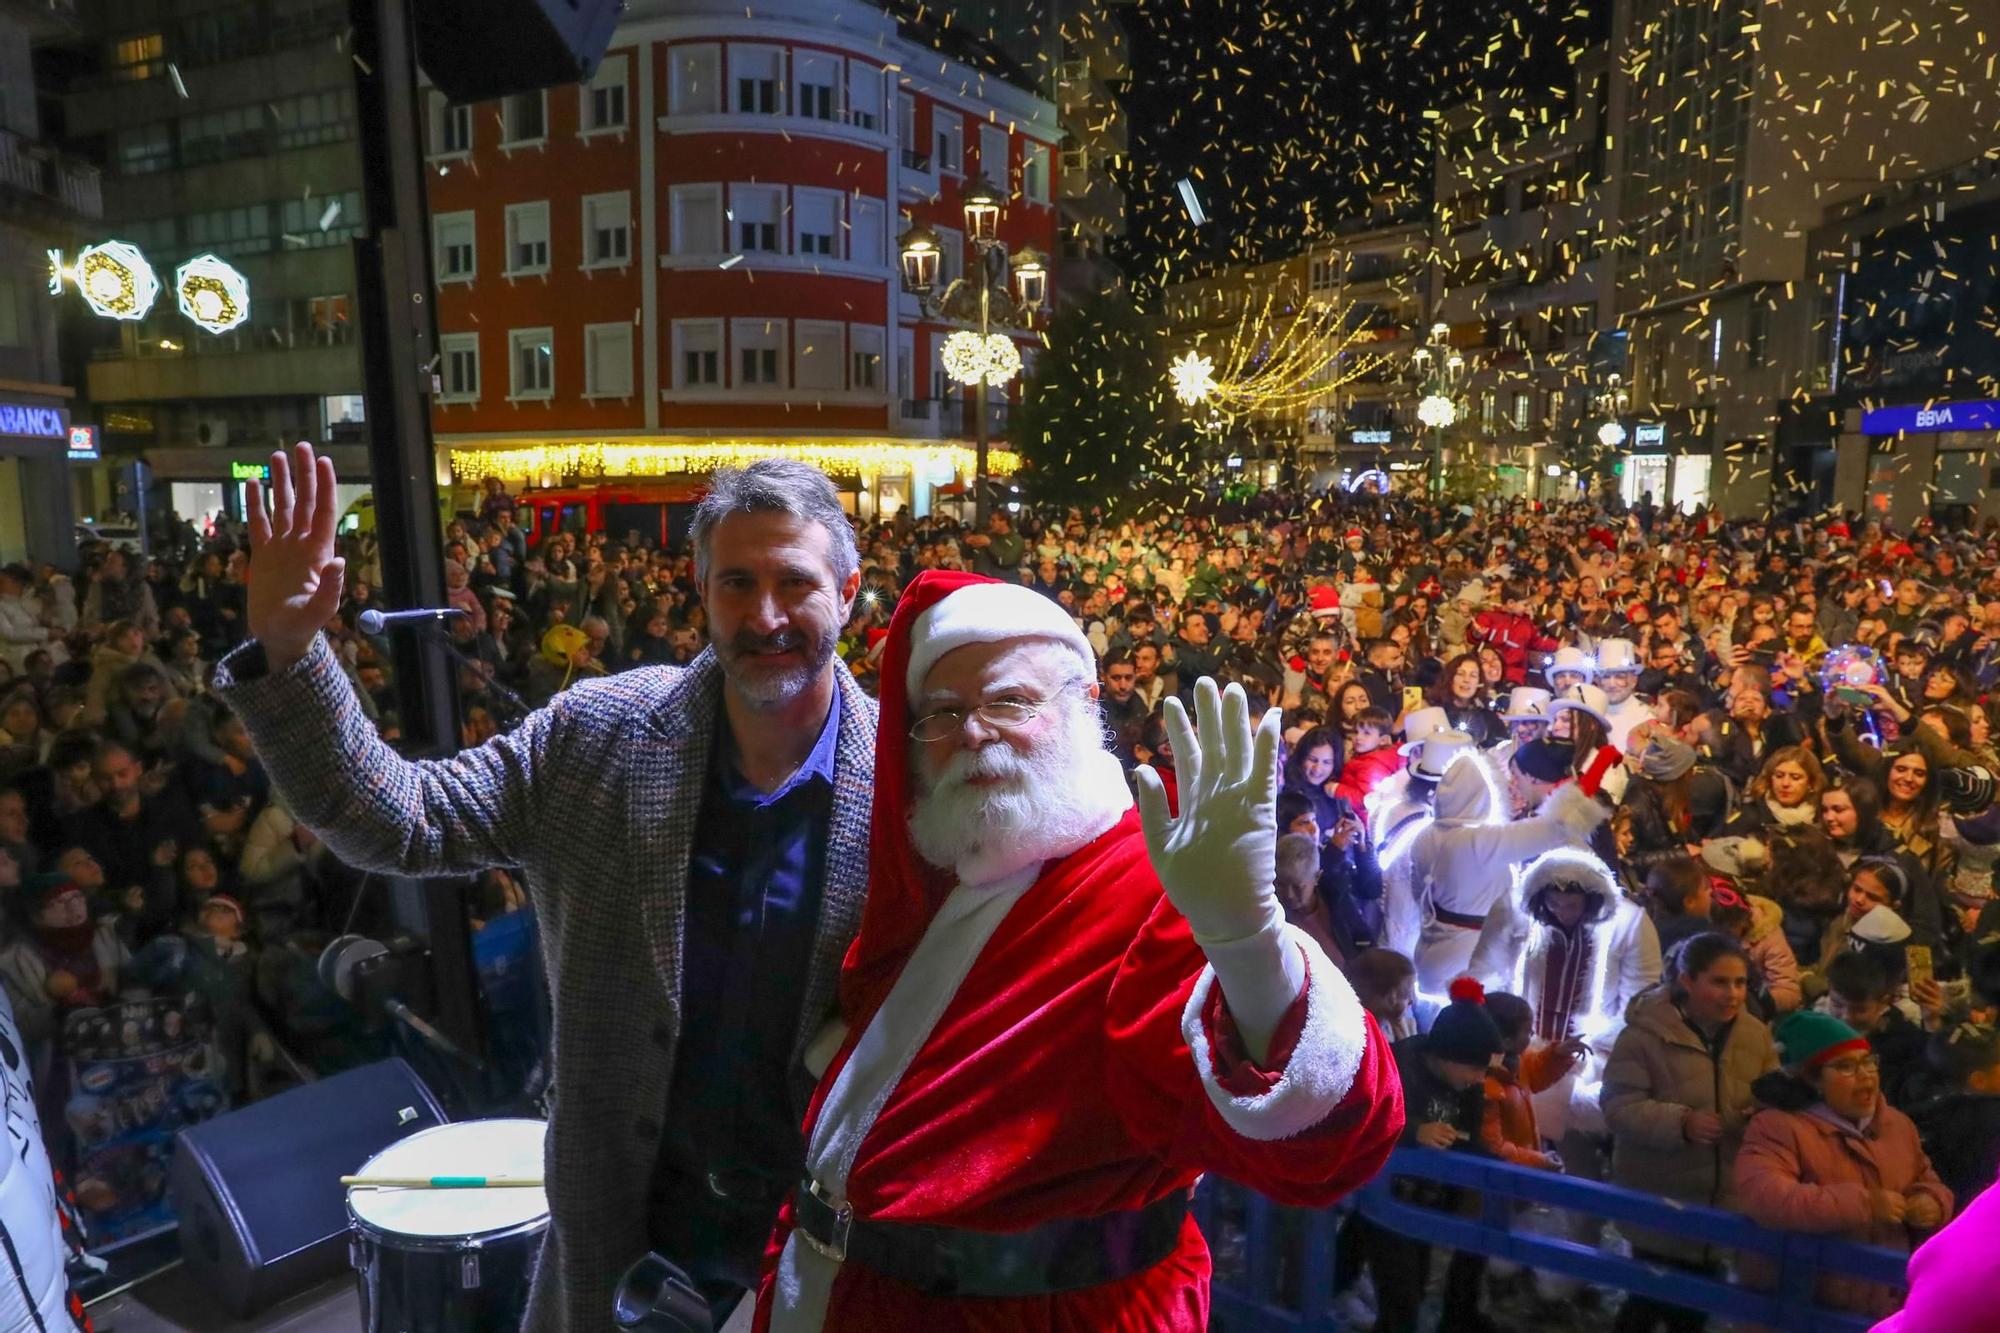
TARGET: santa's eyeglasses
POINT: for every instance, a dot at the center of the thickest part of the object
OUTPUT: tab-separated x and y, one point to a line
1002	714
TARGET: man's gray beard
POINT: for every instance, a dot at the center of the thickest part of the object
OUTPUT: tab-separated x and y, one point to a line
765	688
1030	816
1610	694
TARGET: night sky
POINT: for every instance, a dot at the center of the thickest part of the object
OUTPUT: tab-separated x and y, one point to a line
1290	114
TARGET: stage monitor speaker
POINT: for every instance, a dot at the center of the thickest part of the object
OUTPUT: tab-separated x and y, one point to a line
262	1212
474	50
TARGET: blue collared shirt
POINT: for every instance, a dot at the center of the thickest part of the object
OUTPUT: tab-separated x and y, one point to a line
755	876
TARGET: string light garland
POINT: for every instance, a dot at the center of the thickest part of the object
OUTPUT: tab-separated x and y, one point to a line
1276	358
858	458
971	359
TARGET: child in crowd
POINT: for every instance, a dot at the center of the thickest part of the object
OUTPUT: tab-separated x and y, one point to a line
1374	756
1861	994
1961	1129
1508	1129
1386	984
1760	924
1679	895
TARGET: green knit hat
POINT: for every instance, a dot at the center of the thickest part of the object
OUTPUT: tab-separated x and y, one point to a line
1808	1040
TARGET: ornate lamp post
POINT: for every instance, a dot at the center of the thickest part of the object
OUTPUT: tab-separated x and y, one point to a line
1439	372
976	356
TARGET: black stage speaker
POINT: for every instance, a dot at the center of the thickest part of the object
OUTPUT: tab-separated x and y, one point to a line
479	49
263	1214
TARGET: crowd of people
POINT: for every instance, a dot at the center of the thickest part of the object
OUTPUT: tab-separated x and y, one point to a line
1663	845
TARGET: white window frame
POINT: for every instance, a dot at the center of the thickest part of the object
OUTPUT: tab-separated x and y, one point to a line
801	194
760	335
593	363
906	130
1032	153
867	340
682	200
449	346
621	201
515	212
864	214
678	90
826	343
516	338
866	78
443	112
740	195
951	257
441	246
739	50
508	143
682	329
944	115
615	72
989	135
830	69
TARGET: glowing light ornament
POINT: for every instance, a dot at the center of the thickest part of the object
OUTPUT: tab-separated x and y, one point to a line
1611	435
1437	412
1193	377
972	359
1372	482
1846	673
116	281
212	294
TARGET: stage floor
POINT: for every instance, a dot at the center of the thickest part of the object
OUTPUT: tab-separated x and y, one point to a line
172	1302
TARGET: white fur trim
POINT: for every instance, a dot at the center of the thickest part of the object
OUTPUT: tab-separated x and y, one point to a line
1323	1063
1579	814
989	613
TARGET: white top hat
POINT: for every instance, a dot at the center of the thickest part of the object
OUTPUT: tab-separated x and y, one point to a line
1616	655
1584	699
1436	752
1571	659
1420	723
1525	703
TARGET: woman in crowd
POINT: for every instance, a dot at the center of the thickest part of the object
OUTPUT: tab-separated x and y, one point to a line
1677	1097
1829	1156
1579	717
1785	792
1461	691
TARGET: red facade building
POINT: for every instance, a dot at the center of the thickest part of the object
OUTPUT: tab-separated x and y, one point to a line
692	259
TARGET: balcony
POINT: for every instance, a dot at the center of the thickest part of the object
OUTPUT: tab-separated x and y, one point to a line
306	371
46	185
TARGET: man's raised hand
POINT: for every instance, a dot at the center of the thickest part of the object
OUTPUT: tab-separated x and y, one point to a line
294	575
1218	858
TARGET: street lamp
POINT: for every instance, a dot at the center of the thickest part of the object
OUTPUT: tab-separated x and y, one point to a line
1439	372
977	359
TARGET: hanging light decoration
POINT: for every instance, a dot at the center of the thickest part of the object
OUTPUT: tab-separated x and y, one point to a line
1193	377
1611	434
972	359
116	281
212	294
1437	411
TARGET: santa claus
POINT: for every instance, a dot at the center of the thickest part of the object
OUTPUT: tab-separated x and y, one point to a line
1060	1014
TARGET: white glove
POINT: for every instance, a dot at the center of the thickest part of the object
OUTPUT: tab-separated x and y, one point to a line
1218	860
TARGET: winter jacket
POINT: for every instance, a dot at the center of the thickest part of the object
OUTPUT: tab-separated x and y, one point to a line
1772	953
1508	1129
1809	1171
1962	1132
21	630
1362	773
1511	635
106	664
1661	1070
24	973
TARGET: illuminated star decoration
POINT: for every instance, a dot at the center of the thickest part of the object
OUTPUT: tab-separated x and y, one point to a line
212	294
1193	376
1611	435
116	281
1437	411
971	359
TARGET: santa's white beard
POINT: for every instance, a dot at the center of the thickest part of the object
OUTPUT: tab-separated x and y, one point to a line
1045	804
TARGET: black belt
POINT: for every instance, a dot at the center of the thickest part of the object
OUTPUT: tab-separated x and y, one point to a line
1063	1255
1459	919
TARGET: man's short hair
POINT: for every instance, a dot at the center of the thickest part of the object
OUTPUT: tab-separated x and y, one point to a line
775	486
1859	978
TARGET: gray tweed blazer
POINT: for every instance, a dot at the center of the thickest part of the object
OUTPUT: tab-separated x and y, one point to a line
595	798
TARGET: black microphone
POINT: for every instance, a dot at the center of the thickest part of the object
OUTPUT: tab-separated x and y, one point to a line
340	964
374	622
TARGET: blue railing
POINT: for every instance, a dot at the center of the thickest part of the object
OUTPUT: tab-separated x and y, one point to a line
1274	1265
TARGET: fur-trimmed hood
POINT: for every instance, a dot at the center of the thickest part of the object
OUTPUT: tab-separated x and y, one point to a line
1568	866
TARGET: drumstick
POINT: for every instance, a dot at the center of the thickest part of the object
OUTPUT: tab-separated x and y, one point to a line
442	1182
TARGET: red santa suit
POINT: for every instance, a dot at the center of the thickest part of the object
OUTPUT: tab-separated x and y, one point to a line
1052	1045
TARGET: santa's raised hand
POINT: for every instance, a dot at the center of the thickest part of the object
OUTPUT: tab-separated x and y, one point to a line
1218	859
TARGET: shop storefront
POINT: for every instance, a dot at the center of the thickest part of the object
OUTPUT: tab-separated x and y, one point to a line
1932	456
37	509
201	485
1651	466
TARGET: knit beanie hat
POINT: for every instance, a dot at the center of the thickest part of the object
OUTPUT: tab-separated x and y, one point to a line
39	890
1808	1039
1665	757
1463	1031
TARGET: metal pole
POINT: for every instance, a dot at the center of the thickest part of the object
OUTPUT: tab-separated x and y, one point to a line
393	285
982	503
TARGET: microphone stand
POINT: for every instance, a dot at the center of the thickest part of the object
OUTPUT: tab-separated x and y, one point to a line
452	650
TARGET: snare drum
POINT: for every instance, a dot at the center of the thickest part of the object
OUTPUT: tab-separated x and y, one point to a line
449	1260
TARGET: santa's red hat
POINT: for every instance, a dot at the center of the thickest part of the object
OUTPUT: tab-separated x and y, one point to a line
939	611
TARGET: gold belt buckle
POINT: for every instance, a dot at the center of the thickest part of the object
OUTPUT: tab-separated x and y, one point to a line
843	1224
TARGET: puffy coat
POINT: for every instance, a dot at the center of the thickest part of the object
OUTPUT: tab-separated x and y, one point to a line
1661	1071
1772	953
1512	955
1808	1171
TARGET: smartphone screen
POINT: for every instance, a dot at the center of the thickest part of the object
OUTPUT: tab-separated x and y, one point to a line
1918	957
